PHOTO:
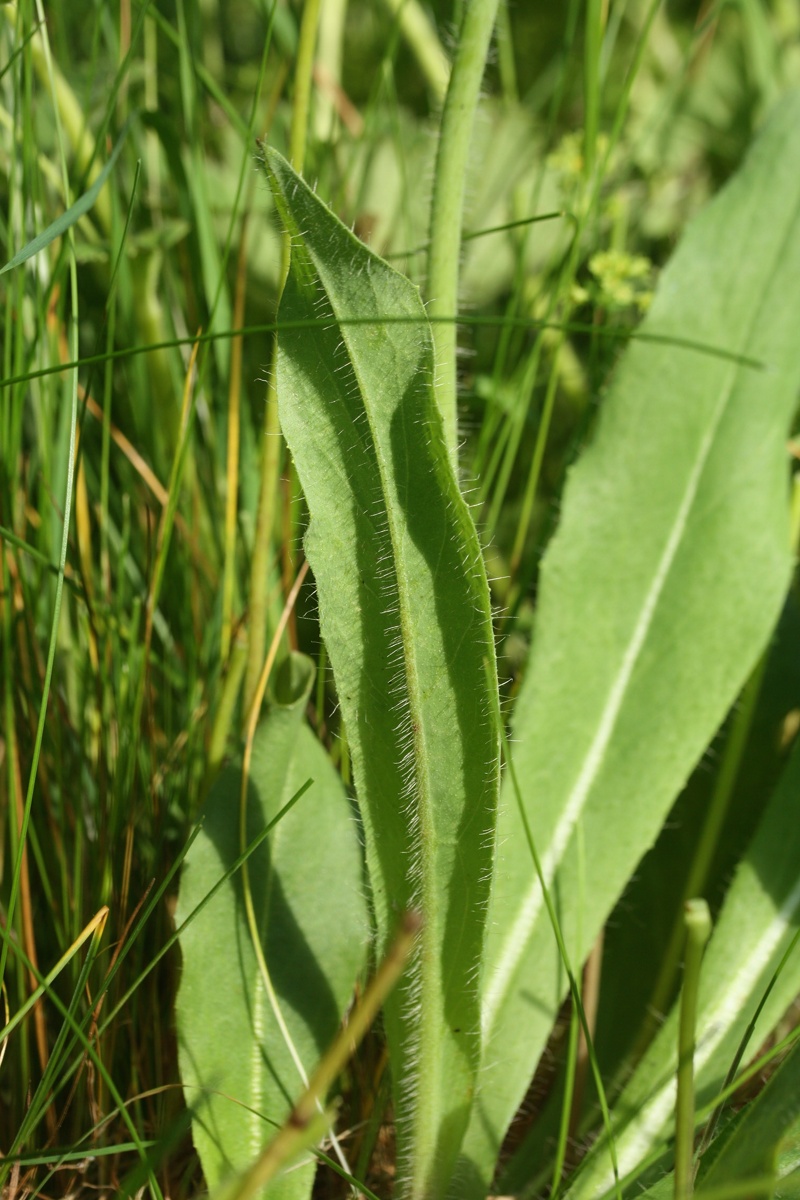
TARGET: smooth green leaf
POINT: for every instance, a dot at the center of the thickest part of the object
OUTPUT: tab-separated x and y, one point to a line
238	1073
404	609
657	595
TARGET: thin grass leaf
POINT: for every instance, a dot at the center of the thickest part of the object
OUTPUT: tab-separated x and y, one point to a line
80	1035
73	214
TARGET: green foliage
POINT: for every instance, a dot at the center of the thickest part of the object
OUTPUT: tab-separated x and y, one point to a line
757	1153
744	963
631	509
752	1148
240	1065
680	566
404	610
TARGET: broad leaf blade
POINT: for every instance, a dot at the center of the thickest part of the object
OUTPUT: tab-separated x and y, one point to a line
306	880
658	593
404	609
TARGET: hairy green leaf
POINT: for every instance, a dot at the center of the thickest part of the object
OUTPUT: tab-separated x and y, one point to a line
238	1073
404	609
658	593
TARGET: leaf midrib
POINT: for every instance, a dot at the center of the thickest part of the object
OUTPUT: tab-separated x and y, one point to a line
517	937
432	1027
516	941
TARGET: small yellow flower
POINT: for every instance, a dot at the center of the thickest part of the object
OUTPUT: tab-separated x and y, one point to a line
622	278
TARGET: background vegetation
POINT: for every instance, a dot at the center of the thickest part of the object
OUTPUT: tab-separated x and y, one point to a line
145	482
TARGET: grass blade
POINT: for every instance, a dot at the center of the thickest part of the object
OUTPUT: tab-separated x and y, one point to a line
72	215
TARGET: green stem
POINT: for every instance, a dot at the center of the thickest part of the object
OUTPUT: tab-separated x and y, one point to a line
301	101
423	41
71	323
594	40
595	21
587	208
270	461
505	55
259	575
697	920
330	51
223	720
447	207
532	484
